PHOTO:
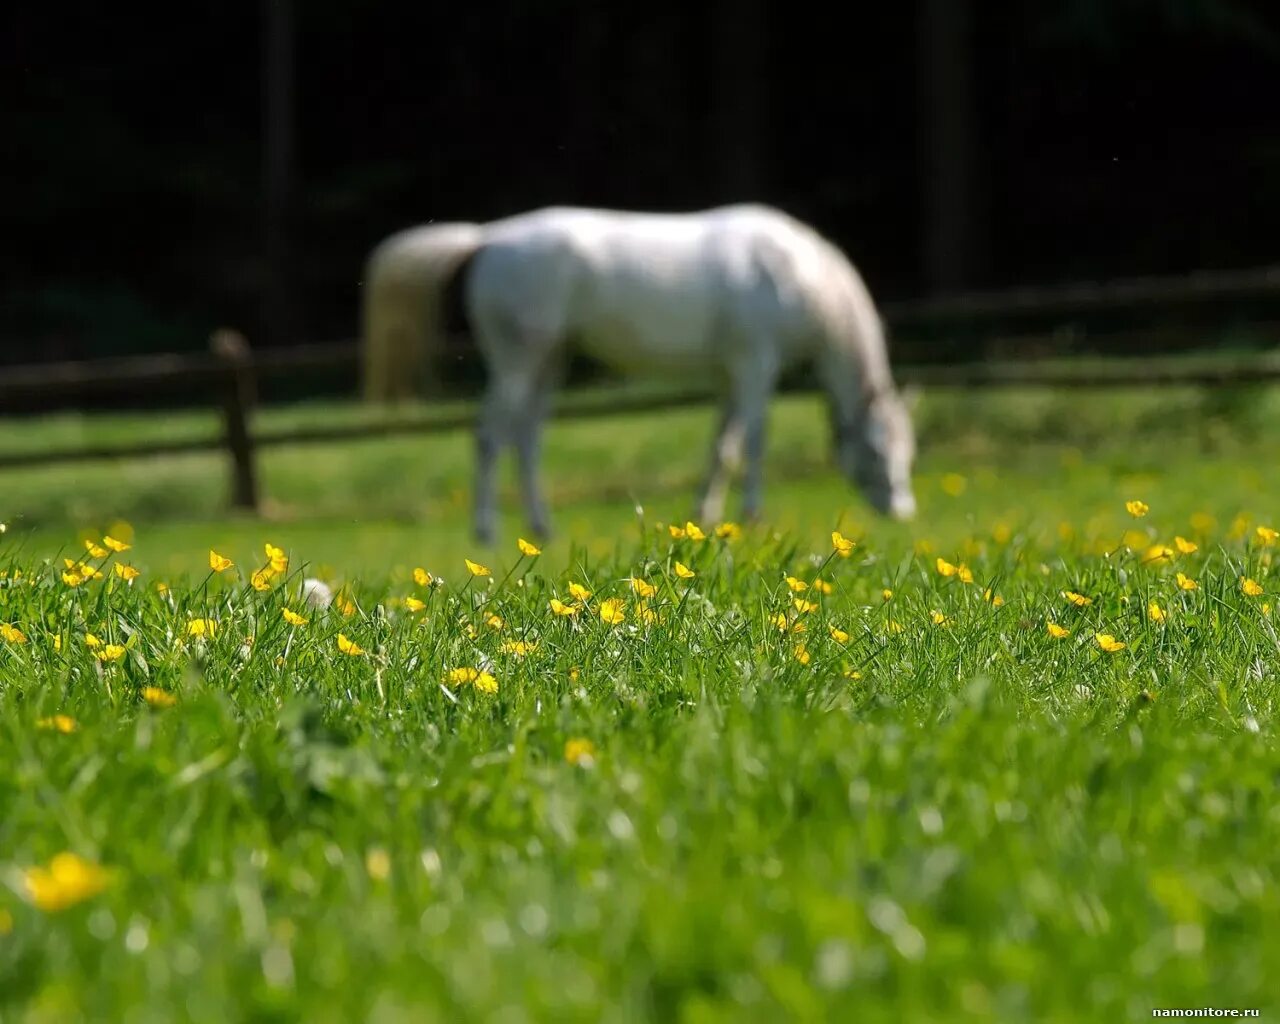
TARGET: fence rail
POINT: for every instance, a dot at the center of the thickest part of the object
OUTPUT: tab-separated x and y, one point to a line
232	371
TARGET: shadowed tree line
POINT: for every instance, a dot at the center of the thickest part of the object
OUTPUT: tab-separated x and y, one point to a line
234	164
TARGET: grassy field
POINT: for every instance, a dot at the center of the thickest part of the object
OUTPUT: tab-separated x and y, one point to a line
1015	761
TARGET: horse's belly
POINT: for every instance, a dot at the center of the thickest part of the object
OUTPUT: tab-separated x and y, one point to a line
648	329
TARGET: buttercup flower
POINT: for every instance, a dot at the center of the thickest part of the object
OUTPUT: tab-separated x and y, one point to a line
348	646
611	611
1108	643
126	572
1185	582
643	587
1079	600
1058	632
1137	509
558	607
58	723
1250	587
66	881
117	546
219	563
414	605
476	569
1185	546
158	698
684	572
293	618
797	585
95	550
581	752
842	544
421	577
578	592
526	548
838	635
1155	613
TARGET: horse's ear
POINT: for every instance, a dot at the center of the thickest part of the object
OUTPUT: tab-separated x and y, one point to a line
910	397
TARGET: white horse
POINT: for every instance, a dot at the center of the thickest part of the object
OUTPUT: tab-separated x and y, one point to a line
734	295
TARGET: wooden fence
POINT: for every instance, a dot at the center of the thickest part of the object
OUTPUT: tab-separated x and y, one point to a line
230	370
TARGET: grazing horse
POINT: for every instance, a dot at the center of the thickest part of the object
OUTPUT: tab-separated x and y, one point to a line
733	295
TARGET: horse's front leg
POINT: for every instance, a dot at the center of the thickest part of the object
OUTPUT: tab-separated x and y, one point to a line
726	450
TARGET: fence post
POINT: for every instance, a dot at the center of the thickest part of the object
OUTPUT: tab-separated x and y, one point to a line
238	395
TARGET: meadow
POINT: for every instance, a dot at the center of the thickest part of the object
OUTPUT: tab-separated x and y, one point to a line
1013	761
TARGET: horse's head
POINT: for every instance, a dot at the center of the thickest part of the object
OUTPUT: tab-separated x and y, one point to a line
875	446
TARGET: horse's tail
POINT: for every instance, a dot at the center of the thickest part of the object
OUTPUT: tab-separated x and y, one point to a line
406	278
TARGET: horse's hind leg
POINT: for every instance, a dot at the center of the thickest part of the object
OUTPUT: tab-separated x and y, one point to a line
491	437
528	442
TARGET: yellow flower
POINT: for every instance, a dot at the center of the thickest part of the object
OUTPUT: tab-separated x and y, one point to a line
482	681
1058	632
886	594
219	563
1185	582
414	605
842	544
1155	613
822	587
611	611
201	627
1185	546
964	573
12	634
558	607
797	585
1137	509
838	635
526	548
581	752
91	641
938	618
944	567
1079	600
519	647
692	531
804	607
72	579
574	673
643	587
1158	553
728	531
1108	643
579	592
684	572
894	626
94	550
158	698
1250	587
276	556
801	654
293	618
493	620
111	652
676	531
422	577
57	643
348	646
261	578
1266	535
1266	608
377	862
476	569
126	572
954	484
646	614
995	600
58	723
117	546
345	605
67	880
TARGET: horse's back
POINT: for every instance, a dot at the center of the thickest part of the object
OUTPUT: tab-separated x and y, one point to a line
639	290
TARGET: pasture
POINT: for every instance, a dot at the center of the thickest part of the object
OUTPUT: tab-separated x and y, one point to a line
749	777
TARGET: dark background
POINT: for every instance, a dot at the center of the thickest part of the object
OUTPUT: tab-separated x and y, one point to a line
159	179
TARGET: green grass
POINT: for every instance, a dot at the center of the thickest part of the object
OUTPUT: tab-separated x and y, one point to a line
960	821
